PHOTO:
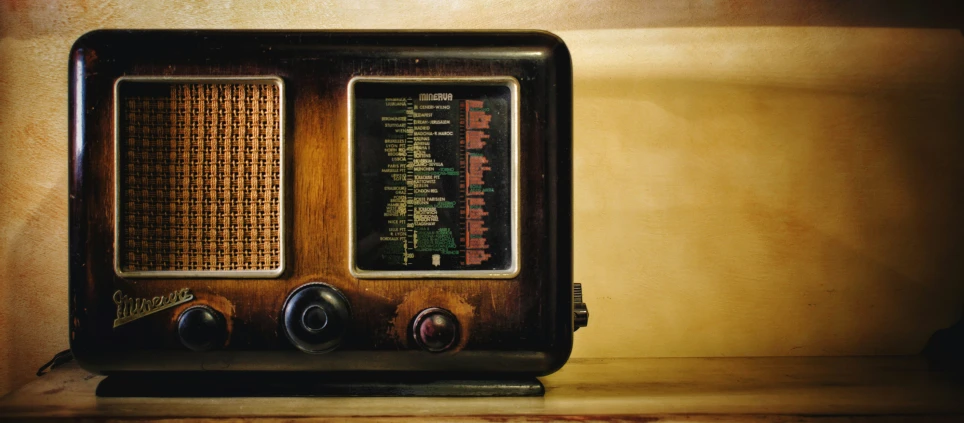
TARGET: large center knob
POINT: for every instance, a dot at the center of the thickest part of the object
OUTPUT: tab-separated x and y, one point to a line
316	316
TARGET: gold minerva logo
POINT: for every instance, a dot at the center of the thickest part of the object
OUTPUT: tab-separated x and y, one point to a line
130	309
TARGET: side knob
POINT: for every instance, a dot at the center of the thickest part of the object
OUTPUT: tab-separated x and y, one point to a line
580	313
316	317
201	328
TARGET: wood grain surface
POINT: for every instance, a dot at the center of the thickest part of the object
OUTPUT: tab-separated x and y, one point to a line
797	389
746	184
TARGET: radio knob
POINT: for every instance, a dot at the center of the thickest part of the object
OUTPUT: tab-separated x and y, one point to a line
436	329
201	328
580	312
316	317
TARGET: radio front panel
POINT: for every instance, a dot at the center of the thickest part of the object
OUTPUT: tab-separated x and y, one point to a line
320	201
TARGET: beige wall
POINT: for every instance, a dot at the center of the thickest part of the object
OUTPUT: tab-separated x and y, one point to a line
747	183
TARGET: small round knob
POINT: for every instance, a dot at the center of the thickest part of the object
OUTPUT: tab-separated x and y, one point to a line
436	329
316	317
201	328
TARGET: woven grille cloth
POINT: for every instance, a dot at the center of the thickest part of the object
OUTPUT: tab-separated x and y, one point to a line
200	177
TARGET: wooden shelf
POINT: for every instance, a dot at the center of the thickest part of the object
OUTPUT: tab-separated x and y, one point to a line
670	389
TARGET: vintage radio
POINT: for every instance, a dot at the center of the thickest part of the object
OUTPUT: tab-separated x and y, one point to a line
321	201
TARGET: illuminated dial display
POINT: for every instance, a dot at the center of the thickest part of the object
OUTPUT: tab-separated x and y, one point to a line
432	176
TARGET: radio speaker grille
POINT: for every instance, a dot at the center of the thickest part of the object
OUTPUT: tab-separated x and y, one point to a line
199	176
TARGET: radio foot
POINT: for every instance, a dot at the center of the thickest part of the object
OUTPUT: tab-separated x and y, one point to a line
259	384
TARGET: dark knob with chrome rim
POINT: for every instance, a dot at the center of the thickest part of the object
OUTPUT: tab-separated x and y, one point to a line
316	317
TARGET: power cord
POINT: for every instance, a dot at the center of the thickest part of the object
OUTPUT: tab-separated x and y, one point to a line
60	358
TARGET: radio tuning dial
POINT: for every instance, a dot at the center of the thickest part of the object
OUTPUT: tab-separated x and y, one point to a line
316	317
201	328
436	329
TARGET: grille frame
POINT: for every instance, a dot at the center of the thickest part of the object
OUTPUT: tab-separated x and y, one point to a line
282	188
